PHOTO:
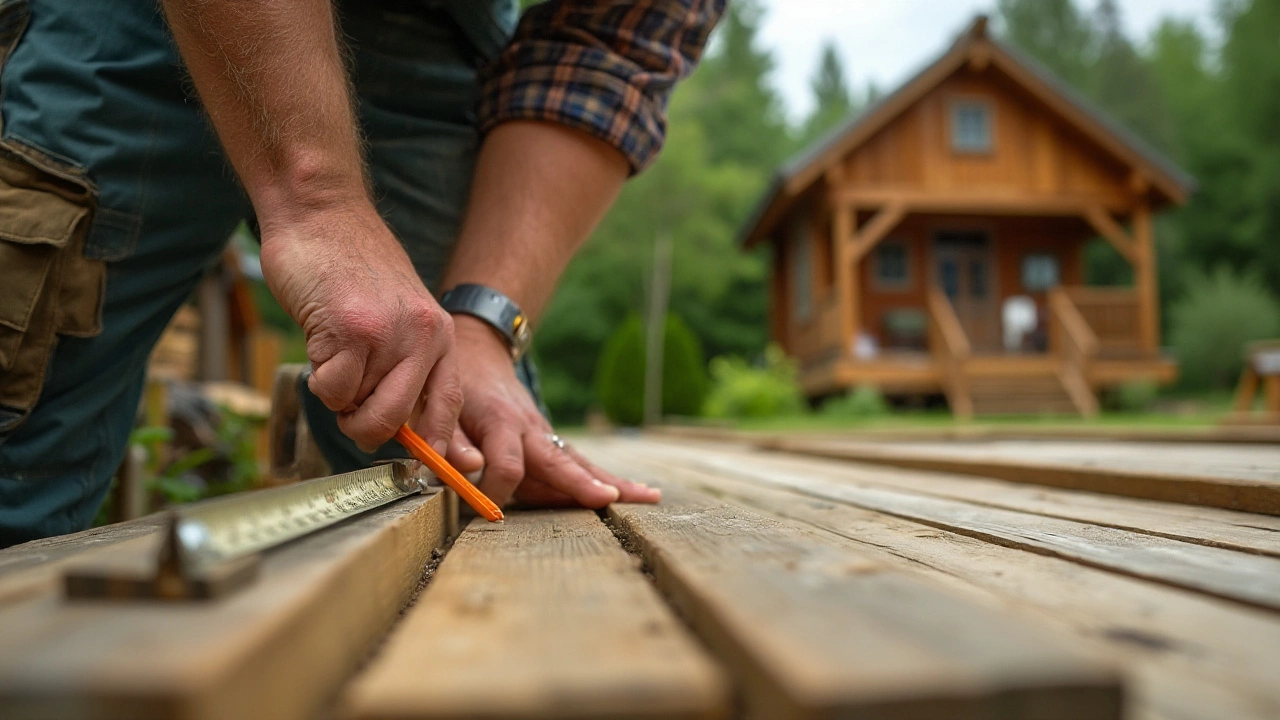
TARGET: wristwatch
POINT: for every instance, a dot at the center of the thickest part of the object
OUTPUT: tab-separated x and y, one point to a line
496	309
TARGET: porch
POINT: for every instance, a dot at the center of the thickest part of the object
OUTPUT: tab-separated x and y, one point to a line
1093	342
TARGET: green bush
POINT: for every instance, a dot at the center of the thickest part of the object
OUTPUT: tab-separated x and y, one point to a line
740	390
864	401
1220	313
1133	397
620	372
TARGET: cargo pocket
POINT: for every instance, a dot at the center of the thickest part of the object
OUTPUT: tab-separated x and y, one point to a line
47	286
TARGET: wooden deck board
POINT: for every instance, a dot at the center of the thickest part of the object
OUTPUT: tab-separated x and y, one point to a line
1189	656
811	629
1236	477
278	648
1237	576
544	616
1214	527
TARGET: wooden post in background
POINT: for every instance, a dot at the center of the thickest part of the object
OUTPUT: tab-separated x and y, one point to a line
1144	279
659	296
843	225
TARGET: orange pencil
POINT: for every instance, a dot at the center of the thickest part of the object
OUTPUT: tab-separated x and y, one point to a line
445	472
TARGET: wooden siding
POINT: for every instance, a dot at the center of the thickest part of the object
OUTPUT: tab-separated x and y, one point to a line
1034	154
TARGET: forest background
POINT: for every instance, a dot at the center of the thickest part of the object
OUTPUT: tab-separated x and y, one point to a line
1209	100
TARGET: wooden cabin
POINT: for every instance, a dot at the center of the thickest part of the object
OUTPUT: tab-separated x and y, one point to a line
935	243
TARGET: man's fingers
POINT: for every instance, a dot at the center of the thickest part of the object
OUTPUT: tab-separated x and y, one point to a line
539	494
555	467
383	412
336	381
629	491
443	395
504	463
463	455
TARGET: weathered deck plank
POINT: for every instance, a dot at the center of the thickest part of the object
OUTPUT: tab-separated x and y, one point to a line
813	630
1190	656
544	616
1245	478
278	648
1245	578
1214	527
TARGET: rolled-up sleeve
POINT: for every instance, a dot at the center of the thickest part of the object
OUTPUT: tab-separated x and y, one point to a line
606	67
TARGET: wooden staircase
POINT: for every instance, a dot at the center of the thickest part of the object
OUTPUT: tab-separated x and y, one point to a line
1027	395
1051	384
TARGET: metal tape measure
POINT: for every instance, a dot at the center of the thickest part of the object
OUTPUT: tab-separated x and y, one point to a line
212	546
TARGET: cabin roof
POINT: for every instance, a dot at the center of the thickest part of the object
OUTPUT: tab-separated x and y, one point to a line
800	171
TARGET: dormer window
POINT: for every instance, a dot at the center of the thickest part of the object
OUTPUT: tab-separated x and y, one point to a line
971	126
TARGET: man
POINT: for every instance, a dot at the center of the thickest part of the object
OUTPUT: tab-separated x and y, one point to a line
116	193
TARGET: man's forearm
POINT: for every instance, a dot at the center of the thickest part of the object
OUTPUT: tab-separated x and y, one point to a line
270	75
539	191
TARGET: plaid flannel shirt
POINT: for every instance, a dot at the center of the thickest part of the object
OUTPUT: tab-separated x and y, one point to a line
606	67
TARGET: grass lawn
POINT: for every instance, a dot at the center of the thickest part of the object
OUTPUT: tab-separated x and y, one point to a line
1174	410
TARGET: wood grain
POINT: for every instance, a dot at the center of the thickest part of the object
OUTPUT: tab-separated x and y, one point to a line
277	649
543	616
1214	527
1244	578
813	630
1189	656
1225	478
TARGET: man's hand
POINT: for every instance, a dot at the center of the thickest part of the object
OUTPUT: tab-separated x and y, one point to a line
520	461
273	81
378	342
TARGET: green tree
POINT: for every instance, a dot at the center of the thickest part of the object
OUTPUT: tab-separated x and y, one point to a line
833	101
1122	81
735	101
1054	32
620	377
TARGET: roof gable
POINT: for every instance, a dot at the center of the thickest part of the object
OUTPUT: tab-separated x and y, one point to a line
974	48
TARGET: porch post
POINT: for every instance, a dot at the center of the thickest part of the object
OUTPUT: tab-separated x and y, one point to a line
780	311
843	223
1145	282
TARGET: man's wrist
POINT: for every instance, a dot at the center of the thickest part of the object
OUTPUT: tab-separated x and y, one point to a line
477	337
311	187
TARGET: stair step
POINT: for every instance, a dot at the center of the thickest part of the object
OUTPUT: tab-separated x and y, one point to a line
1020	395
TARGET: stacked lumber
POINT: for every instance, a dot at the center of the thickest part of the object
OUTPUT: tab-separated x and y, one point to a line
766	585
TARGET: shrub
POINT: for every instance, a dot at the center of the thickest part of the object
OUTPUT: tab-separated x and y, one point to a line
1220	313
864	401
739	390
620	372
1133	396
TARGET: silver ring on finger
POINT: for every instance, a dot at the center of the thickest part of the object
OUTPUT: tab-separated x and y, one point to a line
556	440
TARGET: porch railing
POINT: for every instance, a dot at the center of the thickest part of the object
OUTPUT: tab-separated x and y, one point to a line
1072	338
948	342
1112	314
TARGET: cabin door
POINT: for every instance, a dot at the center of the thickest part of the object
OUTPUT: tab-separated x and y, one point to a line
963	270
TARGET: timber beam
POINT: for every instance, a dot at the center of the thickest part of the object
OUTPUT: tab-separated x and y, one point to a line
881	225
1112	232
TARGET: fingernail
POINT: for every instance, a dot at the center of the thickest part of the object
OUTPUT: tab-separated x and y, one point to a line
616	493
465	450
643	485
440	447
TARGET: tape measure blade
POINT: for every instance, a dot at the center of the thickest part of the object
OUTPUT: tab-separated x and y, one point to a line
238	525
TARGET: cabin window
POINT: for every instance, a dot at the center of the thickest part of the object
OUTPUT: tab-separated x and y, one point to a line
892	266
1039	272
802	269
971	126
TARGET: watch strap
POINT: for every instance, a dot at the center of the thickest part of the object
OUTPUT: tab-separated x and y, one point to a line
493	307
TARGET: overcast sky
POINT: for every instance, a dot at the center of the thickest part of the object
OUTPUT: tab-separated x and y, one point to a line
887	40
